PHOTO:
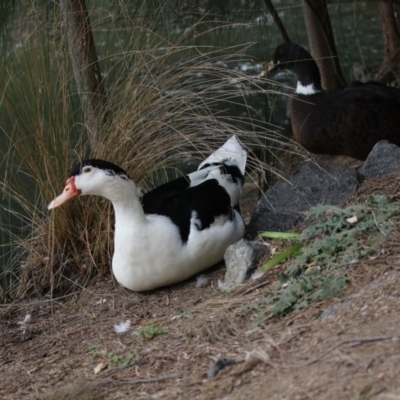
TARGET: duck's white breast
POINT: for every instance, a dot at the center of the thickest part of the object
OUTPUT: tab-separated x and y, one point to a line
154	254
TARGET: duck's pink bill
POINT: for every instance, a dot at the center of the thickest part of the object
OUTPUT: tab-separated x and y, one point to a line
70	191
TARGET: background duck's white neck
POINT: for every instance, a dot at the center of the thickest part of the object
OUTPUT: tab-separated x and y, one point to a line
306	89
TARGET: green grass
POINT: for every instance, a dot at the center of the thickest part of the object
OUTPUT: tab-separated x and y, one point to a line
117	360
94	350
150	331
62	367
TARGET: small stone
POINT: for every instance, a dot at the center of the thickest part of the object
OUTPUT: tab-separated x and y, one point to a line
241	260
218	366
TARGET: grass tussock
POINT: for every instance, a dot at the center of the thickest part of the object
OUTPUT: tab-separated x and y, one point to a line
169	103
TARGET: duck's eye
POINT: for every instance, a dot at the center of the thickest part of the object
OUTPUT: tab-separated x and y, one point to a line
87	170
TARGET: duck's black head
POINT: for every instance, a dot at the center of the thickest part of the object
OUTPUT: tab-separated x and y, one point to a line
95	177
294	58
108	167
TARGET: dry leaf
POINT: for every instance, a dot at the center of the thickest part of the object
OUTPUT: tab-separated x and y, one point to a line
99	367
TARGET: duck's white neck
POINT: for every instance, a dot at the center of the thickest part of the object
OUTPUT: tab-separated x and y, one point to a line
124	197
131	236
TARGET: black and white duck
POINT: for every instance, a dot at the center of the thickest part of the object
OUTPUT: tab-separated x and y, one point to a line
174	231
347	121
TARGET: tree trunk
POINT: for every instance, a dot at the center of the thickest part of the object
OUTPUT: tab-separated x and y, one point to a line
389	69
322	43
85	65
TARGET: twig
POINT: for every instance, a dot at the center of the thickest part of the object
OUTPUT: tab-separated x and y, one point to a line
355	342
136	381
252	288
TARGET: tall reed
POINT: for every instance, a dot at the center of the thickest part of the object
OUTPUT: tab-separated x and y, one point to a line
169	104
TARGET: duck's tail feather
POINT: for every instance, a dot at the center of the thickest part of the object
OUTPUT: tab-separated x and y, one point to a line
231	151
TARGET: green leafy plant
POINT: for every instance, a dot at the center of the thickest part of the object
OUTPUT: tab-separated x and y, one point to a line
335	239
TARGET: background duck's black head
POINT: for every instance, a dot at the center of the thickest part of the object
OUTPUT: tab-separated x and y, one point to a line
288	55
292	57
109	168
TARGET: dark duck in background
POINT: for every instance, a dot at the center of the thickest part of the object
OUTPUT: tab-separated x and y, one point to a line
347	121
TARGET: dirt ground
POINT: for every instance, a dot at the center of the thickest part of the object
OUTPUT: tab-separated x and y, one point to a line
346	348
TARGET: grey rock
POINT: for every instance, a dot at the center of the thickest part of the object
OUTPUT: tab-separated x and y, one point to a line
285	204
241	260
383	159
